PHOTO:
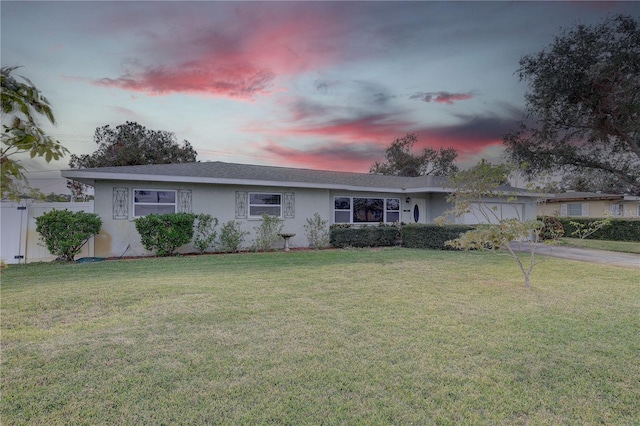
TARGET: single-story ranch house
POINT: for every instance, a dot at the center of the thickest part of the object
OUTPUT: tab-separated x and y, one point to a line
245	192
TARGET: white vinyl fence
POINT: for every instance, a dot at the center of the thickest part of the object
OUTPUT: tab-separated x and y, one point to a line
20	241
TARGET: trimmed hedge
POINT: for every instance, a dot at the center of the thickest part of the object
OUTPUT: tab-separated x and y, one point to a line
431	236
619	230
342	236
164	233
65	232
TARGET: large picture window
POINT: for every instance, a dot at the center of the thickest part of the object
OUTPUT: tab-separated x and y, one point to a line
157	201
366	210
265	203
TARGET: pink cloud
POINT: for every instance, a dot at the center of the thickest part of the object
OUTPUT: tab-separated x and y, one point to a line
236	61
442	97
331	156
368	128
241	81
353	145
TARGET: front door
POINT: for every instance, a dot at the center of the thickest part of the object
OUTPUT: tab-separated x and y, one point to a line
419	211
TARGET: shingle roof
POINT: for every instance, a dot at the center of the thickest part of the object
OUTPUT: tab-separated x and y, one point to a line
220	172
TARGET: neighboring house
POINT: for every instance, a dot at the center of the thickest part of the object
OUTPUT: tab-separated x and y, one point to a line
590	204
244	192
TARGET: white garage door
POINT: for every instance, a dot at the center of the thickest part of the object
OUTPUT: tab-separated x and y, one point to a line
492	213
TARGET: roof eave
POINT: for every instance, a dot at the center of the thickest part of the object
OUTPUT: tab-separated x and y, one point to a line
91	177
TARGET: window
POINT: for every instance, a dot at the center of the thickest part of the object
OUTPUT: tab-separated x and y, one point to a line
366	210
156	201
342	210
392	210
616	209
574	209
262	203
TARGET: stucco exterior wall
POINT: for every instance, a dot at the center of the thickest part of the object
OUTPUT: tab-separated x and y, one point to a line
114	204
119	235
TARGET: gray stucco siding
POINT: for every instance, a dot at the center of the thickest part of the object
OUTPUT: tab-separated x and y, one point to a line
114	202
217	200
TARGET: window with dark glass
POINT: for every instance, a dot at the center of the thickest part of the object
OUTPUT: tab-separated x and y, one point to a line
265	203
342	210
366	210
393	210
153	201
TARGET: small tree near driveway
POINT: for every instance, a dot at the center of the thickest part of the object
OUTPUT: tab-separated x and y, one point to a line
483	190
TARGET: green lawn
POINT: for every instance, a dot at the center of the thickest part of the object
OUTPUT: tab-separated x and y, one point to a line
620	246
391	336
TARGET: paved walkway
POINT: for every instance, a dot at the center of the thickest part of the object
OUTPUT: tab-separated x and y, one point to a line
628	260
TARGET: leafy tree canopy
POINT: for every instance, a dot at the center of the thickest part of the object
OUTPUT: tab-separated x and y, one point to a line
401	161
22	103
592	181
132	144
584	103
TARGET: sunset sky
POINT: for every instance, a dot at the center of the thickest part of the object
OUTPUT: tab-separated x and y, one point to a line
326	85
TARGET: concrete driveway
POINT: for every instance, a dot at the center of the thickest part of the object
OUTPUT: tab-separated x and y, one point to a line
628	260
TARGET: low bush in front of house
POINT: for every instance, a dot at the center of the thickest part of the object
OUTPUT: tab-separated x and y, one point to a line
431	236
618	230
552	228
232	236
341	236
65	232
164	233
205	232
317	231
267	233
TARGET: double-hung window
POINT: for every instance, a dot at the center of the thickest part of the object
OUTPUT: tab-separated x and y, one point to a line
342	210
574	209
366	210
265	203
392	210
157	201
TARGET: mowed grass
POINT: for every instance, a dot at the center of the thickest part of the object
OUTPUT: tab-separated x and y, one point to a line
391	336
620	246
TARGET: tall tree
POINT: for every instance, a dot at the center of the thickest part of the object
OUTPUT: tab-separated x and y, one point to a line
22	103
583	104
132	144
401	160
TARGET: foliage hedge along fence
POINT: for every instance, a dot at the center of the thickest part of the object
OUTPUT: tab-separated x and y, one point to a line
410	236
619	230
